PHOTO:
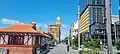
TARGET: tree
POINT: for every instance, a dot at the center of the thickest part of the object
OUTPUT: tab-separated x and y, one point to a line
66	40
53	41
75	43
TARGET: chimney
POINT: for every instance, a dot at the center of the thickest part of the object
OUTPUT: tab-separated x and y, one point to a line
34	25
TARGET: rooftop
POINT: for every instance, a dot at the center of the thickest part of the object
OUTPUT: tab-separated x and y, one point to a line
19	28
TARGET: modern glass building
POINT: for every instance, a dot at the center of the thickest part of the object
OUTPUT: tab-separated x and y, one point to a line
96	15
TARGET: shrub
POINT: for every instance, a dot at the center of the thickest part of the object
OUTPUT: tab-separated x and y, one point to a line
95	51
117	44
92	43
74	47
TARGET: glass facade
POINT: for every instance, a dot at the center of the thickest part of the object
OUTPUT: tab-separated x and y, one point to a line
97	14
96	2
92	29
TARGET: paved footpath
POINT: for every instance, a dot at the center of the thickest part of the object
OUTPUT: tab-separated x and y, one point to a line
61	49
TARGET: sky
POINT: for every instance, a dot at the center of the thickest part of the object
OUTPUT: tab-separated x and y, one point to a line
43	12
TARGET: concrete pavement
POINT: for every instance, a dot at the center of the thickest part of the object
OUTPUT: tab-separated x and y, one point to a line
61	49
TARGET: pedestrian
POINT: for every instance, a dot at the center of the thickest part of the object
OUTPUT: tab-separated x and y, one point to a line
68	48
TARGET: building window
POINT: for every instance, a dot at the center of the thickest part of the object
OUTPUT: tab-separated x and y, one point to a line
18	40
93	2
99	2
92	29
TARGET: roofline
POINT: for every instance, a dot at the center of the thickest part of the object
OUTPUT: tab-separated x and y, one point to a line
115	15
87	7
52	25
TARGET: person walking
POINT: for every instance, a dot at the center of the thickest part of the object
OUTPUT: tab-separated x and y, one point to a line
67	48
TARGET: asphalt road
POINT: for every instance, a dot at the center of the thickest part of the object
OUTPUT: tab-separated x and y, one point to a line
62	49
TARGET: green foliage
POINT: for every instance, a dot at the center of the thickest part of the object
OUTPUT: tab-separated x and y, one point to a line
92	43
74	47
75	41
117	44
53	40
96	51
66	40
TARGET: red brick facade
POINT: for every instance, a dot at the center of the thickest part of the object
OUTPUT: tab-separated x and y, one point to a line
12	49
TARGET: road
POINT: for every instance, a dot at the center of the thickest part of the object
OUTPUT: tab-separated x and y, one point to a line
62	49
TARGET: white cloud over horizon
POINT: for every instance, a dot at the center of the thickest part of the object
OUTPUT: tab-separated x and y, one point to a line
9	21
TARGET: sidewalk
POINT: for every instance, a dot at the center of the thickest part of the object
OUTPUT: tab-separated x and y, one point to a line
72	51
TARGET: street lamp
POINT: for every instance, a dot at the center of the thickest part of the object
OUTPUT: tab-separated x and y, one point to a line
108	16
78	27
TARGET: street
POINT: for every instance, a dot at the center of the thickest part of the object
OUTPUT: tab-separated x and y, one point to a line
62	49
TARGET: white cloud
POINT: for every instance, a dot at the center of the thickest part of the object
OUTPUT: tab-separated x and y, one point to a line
64	30
10	21
42	26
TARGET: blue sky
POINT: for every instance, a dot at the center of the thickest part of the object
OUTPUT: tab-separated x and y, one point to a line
43	12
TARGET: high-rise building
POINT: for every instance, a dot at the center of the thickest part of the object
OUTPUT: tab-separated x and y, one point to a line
92	18
54	29
97	17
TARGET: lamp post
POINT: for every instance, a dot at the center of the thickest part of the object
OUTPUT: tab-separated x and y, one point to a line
108	16
78	27
119	10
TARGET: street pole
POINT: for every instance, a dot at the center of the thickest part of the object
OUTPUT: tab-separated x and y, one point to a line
119	10
78	26
115	31
108	16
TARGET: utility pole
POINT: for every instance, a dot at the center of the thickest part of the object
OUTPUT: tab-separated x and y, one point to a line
78	14
108	16
119	10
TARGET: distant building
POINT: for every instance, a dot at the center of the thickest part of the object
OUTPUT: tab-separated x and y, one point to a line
114	18
54	29
74	29
115	26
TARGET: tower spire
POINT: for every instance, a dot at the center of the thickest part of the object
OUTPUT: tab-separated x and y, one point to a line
58	19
